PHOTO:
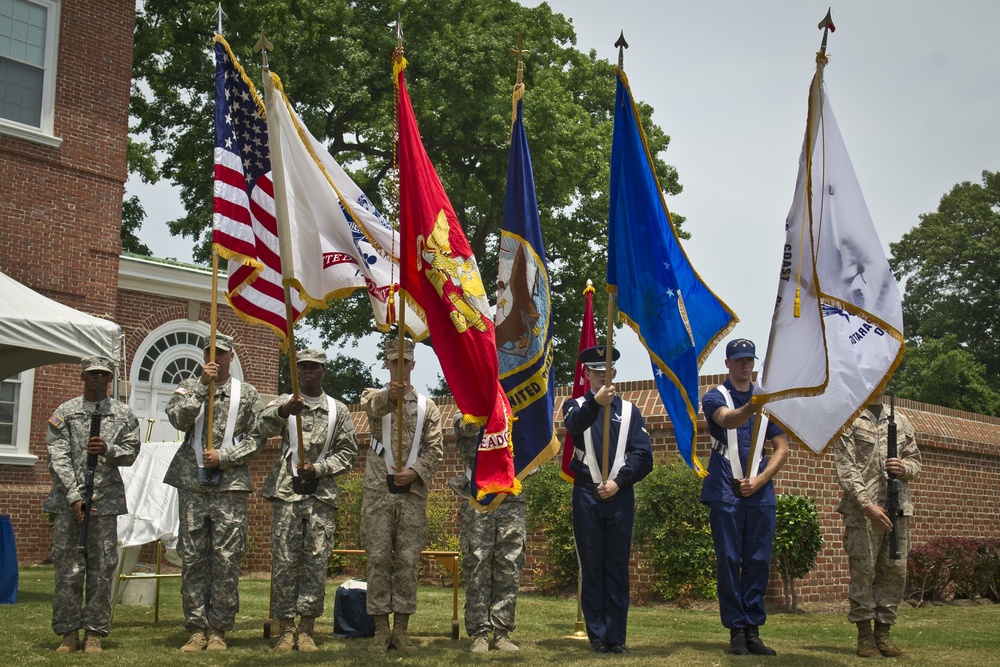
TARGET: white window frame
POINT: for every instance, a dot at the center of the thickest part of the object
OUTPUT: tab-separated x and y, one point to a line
17	454
44	133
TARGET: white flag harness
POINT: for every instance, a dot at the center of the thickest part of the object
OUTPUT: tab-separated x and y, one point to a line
590	458
386	452
292	450
733	453
227	439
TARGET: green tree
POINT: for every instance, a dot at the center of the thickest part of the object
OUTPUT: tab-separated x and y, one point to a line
942	372
952	282
334	60
672	529
798	539
142	162
344	378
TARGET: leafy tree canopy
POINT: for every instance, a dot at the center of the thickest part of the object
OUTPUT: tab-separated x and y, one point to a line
942	372
952	285
334	58
140	161
344	378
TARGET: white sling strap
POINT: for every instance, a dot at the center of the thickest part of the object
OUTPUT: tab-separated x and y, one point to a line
293	437
386	452
199	423
590	457
733	452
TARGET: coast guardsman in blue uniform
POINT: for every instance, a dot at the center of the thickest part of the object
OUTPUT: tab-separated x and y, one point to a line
741	506
604	511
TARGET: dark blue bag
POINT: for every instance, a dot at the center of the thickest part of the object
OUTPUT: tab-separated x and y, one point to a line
350	618
8	562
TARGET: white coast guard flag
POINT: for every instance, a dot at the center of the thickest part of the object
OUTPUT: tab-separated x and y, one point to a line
337	241
823	366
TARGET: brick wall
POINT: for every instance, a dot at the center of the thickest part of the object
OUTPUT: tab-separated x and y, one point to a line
954	493
61	214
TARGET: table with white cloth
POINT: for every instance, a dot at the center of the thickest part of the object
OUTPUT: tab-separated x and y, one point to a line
152	517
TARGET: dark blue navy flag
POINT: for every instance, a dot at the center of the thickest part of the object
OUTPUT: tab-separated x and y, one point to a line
677	317
523	315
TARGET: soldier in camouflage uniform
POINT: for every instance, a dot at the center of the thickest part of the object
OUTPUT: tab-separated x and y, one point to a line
877	581
302	526
492	554
213	516
69	443
394	525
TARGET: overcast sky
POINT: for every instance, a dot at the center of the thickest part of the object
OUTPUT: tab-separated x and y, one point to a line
914	87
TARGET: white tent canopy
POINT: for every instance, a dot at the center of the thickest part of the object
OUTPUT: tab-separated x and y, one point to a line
35	330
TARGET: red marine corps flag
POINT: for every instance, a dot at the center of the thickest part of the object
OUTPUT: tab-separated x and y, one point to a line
440	279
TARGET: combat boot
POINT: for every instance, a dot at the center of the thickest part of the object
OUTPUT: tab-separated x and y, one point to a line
196	642
866	641
70	642
502	642
92	642
737	642
216	640
286	635
755	645
306	643
380	644
399	640
480	644
884	644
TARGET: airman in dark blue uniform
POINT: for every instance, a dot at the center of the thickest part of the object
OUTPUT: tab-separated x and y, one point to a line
604	504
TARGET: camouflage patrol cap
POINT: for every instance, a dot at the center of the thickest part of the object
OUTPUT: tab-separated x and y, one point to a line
392	349
97	364
222	342
310	355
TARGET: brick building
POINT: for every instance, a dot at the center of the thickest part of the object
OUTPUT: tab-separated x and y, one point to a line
65	75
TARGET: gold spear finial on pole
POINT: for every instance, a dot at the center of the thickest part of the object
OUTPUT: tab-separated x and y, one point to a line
262	47
519	52
621	44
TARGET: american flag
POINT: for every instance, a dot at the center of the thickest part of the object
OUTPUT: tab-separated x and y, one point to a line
244	229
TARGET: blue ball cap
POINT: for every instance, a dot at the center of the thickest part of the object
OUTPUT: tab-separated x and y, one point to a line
741	348
595	358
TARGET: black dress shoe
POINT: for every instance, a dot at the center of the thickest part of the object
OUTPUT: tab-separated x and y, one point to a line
619	649
600	647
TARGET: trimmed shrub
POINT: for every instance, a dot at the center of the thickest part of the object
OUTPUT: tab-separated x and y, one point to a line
798	539
672	530
955	568
549	510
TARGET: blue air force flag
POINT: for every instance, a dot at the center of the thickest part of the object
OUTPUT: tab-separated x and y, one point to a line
677	317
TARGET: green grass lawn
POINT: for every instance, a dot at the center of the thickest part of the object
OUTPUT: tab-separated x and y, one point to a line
941	635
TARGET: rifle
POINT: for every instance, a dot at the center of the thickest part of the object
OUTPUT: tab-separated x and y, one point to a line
88	487
895	485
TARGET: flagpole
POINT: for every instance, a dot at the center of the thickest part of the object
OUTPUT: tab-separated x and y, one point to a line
608	360
621	44
213	309
401	320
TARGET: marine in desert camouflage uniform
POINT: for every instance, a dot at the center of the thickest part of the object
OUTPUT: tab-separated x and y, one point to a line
302	526
877	581
69	443
213	517
394	525
492	554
